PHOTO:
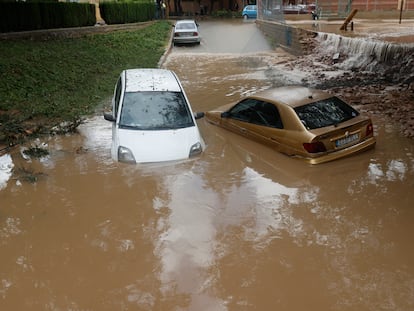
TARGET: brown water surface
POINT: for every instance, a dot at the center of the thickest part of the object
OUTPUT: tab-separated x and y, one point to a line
239	228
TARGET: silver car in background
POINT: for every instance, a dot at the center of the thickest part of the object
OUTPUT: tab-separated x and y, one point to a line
186	31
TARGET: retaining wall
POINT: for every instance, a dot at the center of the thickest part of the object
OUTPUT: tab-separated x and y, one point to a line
295	40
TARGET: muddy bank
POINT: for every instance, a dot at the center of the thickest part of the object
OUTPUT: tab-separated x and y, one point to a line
379	77
393	100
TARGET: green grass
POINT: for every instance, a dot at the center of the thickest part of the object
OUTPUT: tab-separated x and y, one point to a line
65	79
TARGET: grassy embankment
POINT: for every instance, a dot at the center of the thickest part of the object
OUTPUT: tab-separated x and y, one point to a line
46	82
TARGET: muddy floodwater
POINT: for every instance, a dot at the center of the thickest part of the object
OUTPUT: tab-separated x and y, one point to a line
238	228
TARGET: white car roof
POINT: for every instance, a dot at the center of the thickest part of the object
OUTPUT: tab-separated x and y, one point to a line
151	79
185	21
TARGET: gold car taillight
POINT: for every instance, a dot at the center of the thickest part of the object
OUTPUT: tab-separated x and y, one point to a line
369	130
314	147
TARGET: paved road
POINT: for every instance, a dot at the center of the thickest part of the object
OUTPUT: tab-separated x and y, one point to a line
228	36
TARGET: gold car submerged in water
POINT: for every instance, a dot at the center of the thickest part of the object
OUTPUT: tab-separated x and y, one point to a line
301	122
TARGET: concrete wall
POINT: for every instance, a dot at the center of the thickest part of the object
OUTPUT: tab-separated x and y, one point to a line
295	40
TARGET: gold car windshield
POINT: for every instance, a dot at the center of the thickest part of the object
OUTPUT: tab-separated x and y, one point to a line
327	112
155	111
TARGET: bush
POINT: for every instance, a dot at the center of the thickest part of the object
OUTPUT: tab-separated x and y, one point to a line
20	16
127	12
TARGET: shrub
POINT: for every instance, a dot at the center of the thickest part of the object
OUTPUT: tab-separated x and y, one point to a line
127	12
20	16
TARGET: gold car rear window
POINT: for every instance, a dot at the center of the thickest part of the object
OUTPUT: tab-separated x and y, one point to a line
326	112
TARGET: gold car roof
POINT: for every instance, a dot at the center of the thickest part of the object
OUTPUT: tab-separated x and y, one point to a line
293	96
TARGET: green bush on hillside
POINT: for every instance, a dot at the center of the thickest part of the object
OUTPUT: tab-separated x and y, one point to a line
127	11
20	16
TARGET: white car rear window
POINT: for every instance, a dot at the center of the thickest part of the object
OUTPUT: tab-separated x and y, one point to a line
185	26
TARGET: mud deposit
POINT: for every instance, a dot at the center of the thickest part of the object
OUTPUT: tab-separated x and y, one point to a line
378	76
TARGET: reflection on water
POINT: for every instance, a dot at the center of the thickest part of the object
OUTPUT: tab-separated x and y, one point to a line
186	246
239	228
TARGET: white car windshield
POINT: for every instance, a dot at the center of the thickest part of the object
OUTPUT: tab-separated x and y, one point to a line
155	111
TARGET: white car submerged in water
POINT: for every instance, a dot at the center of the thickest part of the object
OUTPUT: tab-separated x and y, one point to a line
152	118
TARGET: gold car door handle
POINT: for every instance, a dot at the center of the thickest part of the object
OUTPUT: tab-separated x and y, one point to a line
243	130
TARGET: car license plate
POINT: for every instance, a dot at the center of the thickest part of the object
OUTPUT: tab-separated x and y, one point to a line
346	140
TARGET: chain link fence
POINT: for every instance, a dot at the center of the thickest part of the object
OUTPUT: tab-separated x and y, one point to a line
271	10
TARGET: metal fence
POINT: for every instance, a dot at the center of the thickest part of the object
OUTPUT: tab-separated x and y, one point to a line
271	10
275	10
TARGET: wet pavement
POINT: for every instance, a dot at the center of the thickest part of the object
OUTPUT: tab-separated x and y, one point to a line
239	228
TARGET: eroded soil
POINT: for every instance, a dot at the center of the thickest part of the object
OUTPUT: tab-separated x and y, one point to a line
380	88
